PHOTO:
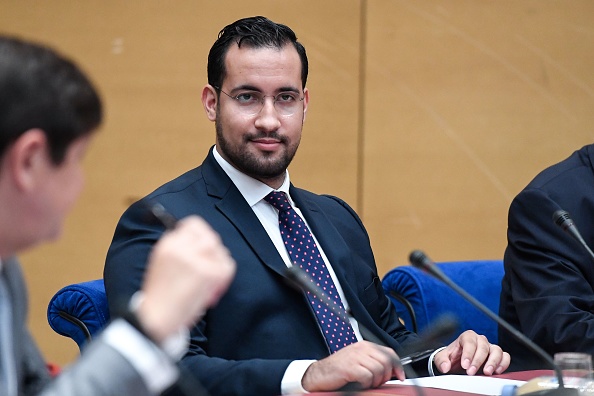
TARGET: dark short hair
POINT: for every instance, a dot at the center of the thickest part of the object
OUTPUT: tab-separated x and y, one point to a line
256	32
41	89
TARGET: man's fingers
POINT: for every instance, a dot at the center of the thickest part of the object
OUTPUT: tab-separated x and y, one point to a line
498	361
481	351
398	372
376	367
444	365
470	352
361	364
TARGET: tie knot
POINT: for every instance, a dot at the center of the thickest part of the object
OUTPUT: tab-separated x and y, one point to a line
279	200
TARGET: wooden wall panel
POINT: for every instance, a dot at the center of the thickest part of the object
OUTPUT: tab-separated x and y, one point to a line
465	102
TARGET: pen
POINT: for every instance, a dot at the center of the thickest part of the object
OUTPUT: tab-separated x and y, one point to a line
415	357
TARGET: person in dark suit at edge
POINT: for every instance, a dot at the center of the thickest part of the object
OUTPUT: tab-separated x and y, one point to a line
49	111
548	287
263	338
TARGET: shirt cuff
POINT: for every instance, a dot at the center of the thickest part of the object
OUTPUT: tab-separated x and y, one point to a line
430	361
153	365
291	382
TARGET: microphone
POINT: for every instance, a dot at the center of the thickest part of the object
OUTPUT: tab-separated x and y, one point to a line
422	261
563	220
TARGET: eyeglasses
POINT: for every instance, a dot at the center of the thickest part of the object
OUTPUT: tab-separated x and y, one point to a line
252	102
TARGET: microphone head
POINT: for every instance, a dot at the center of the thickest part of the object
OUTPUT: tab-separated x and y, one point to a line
562	219
419	259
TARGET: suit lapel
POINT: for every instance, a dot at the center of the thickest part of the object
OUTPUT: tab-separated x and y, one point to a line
235	208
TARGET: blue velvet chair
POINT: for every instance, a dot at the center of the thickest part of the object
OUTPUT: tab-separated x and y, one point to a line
419	298
79	311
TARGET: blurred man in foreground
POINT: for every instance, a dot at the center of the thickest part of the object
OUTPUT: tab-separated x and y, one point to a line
48	113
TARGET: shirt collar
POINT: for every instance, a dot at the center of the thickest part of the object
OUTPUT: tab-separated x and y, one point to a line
252	190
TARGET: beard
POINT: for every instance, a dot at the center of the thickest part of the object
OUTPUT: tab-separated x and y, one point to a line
261	166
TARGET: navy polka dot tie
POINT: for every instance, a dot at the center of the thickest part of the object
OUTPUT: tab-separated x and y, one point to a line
304	252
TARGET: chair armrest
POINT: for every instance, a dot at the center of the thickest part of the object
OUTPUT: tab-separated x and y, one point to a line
408	287
79	311
409	309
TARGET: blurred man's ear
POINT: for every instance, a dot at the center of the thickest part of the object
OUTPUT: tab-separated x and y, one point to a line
27	159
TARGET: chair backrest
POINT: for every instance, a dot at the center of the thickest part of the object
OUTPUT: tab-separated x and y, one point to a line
420	297
79	311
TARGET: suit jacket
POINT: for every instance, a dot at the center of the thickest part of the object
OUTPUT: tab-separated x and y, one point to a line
245	343
548	287
101	371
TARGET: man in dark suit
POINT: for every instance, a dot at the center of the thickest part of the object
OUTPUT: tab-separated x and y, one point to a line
263	338
548	287
48	113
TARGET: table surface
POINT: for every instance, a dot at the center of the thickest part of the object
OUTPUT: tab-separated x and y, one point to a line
406	390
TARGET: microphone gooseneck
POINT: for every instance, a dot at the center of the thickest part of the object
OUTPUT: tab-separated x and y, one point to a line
563	220
186	383
304	282
420	260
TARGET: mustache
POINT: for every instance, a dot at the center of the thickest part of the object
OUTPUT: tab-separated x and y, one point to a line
264	135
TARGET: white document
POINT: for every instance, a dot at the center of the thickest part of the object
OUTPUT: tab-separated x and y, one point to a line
463	383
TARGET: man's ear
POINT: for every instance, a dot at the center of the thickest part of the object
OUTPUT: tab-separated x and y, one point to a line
209	101
27	158
305	102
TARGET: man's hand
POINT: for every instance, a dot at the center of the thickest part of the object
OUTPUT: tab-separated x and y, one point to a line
189	270
469	352
362	365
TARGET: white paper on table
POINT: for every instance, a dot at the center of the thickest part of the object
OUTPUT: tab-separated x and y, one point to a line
462	383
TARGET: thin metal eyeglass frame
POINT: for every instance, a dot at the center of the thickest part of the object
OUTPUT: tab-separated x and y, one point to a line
261	101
